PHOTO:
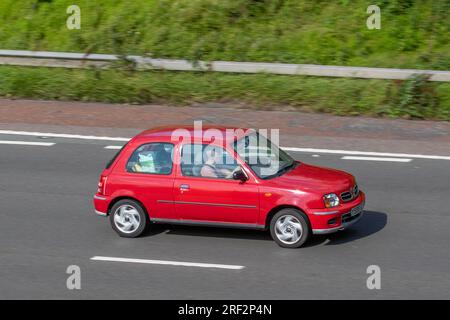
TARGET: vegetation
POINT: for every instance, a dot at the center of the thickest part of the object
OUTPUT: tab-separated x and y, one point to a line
413	34
415	98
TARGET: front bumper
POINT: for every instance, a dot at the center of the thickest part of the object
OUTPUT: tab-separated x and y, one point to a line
344	217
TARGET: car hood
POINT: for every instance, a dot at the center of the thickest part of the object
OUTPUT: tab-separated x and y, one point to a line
308	177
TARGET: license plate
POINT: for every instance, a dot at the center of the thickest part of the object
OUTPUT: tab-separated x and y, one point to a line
356	210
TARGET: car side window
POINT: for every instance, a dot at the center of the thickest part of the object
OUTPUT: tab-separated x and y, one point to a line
208	161
153	158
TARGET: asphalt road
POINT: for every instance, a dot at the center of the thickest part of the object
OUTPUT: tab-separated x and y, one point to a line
48	223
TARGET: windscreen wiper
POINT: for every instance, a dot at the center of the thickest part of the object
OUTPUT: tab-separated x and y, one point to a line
286	168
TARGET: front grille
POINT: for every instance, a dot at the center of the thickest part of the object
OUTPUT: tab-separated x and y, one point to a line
346	196
353	193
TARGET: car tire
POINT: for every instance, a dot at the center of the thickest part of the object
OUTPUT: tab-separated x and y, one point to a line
289	228
128	218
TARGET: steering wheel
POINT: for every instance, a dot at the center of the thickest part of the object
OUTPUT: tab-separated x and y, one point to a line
234	170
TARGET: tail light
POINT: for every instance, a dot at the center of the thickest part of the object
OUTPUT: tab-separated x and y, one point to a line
102	185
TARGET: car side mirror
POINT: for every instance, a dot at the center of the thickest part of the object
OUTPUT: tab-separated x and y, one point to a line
240	175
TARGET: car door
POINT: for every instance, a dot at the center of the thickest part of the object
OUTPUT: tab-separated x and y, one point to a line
213	199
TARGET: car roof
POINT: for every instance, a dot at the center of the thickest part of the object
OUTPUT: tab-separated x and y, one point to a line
165	133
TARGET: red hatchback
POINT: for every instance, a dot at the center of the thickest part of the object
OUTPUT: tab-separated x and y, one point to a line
227	178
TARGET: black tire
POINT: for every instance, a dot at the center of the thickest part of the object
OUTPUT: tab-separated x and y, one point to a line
133	214
296	219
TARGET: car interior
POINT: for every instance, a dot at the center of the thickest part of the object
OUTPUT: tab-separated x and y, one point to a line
152	158
192	160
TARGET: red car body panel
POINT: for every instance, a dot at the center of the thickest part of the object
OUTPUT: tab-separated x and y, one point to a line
226	202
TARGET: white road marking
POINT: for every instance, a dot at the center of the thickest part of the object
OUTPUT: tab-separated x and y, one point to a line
367	153
113	147
293	149
27	143
376	159
172	263
62	135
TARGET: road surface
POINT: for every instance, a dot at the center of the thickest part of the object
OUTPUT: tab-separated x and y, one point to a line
48	224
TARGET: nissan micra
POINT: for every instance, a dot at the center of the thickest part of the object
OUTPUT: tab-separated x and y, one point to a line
227	178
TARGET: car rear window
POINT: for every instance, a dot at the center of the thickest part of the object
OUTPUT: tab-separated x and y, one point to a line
152	158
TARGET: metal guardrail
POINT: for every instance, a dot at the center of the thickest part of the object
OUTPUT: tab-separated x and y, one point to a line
80	60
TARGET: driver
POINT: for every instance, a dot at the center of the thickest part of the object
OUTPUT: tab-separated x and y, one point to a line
209	169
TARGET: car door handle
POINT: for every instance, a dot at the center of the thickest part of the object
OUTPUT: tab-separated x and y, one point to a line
184	187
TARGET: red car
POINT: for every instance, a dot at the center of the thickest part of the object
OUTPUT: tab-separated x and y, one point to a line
178	175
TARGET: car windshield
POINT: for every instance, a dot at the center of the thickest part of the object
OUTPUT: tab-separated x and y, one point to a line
265	158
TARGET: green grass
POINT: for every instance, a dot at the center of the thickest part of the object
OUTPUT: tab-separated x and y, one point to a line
414	33
415	98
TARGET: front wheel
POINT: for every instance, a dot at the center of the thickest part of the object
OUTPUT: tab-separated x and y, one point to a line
289	228
128	218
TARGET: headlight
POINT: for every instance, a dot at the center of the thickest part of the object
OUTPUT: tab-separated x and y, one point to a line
331	200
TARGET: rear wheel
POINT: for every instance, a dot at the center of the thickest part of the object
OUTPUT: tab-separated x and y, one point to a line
289	228
128	218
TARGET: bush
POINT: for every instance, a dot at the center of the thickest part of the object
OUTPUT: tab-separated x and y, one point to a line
417	98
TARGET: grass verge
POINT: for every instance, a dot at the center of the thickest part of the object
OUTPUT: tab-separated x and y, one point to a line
414	98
